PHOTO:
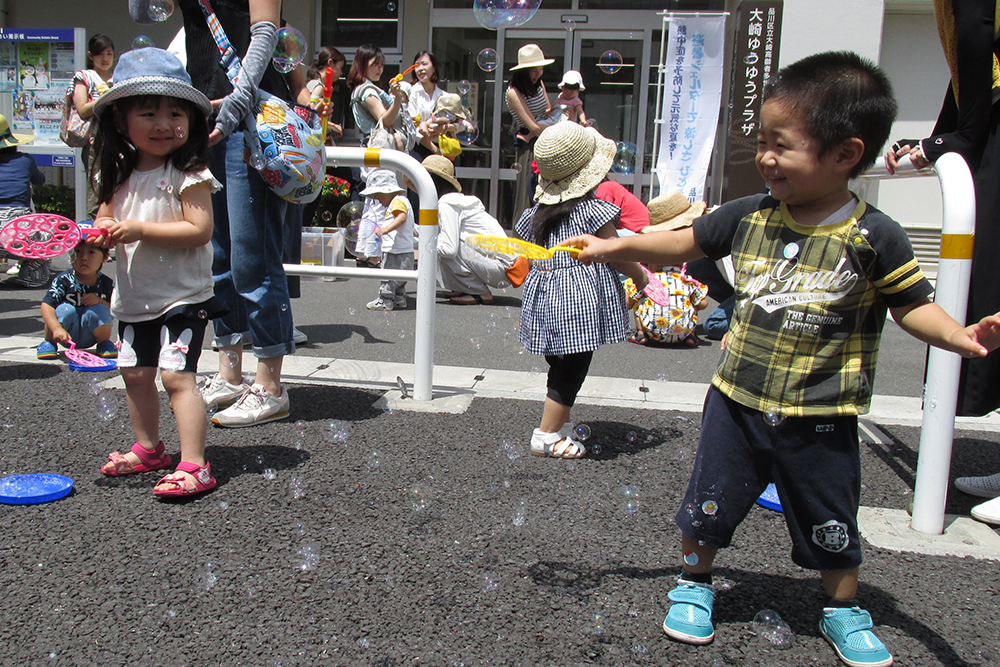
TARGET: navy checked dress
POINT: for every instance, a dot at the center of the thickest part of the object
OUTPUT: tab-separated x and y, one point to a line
567	307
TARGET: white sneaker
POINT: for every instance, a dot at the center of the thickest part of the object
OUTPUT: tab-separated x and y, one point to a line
219	393
988	512
987	486
255	406
298	337
379	304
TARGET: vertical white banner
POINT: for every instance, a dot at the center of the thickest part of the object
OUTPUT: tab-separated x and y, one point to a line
692	100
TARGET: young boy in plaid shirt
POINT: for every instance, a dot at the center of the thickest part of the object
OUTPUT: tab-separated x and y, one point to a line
816	271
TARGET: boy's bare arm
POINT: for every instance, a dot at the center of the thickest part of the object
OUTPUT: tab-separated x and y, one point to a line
928	322
673	247
397	222
59	334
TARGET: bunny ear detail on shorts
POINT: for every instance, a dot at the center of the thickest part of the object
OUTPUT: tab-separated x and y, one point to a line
126	355
173	355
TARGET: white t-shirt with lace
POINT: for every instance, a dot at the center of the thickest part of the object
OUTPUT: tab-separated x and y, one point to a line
152	279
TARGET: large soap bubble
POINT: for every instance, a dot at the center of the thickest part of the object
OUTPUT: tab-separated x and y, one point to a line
496	14
610	62
350	212
142	42
160	10
290	49
466	132
487	59
625	158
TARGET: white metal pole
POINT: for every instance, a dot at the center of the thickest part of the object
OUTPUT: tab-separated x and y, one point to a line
426	273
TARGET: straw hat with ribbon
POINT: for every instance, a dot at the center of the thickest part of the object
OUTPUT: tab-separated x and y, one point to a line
8	138
672	210
530	55
572	160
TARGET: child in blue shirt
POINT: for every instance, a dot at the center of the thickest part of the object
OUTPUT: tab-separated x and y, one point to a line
77	306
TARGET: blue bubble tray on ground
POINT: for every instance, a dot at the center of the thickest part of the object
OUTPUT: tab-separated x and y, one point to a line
769	499
108	365
36	488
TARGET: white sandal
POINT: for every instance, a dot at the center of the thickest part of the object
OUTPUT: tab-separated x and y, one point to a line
556	445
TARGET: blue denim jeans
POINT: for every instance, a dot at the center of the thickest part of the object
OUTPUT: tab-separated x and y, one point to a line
80	321
248	242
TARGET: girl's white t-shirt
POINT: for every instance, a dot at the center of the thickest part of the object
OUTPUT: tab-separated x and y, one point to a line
152	279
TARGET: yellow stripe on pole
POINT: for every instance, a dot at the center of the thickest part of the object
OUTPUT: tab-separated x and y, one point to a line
957	246
428	216
372	158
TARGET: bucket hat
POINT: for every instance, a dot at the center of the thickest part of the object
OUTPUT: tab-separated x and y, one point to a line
572	78
530	55
672	210
152	71
452	103
381	181
572	160
8	138
443	167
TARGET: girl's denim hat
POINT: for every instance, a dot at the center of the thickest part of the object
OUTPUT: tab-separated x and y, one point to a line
152	71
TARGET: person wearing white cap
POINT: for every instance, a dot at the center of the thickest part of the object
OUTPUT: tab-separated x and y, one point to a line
569	97
528	104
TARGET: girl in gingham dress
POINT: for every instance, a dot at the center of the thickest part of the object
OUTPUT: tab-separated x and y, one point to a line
569	310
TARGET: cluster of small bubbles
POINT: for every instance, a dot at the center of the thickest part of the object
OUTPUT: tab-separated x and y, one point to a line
269	474
208	576
582	432
598	623
337	431
490	580
768	625
308	557
625	158
290	49
105	408
420	497
631	496
520	513
610	62
295	488
463	87
374	459
142	42
709	507
487	59
774	415
160	10
474	342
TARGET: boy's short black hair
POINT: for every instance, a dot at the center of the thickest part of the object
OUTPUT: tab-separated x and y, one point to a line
841	96
82	243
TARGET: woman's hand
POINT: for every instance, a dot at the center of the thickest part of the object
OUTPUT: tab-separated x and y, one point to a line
897	151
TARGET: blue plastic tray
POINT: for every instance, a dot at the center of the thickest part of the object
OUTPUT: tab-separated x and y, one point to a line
108	365
769	499
36	488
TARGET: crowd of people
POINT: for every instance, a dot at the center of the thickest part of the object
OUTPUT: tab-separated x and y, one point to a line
199	236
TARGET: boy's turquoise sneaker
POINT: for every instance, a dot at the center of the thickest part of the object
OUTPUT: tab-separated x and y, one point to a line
46	350
689	619
849	632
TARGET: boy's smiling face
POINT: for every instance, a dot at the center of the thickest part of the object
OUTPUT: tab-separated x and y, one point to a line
789	160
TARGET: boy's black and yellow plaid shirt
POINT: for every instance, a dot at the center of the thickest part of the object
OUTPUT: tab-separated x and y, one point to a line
810	304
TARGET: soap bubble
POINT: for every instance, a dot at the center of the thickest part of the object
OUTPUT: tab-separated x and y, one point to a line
463	87
710	507
295	488
350	212
625	158
487	59
466	132
160	10
496	14
337	431
490	580
374	459
269	474
774	415
631	495
610	62
631	436
391	6
301	426
570	25
290	50
582	432
257	161
208	576
767	624
520	513
105	408
516	167
352	234
142	42
420	497
308	557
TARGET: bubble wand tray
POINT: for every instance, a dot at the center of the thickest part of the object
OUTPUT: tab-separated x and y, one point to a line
43	235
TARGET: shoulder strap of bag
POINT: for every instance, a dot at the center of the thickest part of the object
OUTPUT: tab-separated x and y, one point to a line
227	54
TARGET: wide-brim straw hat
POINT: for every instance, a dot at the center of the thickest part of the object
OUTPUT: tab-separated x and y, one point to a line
381	182
8	138
572	160
152	71
672	210
530	55
443	167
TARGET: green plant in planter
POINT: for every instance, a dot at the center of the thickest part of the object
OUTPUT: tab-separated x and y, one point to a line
58	199
335	193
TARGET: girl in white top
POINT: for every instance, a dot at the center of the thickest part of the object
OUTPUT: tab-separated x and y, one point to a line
423	97
151	147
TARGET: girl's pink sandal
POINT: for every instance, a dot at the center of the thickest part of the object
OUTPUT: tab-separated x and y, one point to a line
118	465
183	486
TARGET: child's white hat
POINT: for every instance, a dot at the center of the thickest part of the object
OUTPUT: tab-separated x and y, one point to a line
572	78
152	71
381	181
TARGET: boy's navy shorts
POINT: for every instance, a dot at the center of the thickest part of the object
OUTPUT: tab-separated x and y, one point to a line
814	463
